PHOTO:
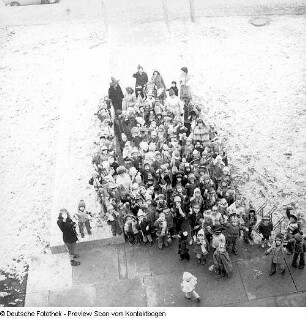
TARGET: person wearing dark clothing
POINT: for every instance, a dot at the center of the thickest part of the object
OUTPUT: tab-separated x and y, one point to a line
115	94
298	251
183	246
141	80
174	88
67	226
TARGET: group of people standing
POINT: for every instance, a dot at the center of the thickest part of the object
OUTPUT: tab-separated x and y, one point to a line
161	174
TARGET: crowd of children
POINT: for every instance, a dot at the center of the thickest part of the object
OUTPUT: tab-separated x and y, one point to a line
161	172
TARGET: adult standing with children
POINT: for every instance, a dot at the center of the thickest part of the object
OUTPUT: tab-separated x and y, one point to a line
67	226
141	81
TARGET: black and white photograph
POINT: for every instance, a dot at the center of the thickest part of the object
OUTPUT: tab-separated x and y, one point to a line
152	155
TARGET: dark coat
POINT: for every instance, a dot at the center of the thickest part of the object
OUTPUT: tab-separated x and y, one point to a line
115	94
141	79
68	229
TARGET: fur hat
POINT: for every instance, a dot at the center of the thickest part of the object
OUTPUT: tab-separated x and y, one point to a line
120	170
113	81
184	69
81	203
187	276
279	236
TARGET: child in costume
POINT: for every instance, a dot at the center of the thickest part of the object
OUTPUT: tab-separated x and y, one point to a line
188	286
265	229
298	251
222	263
83	217
161	231
113	220
277	252
183	246
201	248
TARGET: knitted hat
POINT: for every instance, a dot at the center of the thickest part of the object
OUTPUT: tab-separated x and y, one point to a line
81	203
279	236
184	69
187	276
121	169
113	81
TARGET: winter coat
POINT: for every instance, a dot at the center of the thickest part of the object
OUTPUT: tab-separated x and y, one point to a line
124	180
277	254
222	261
183	246
82	216
188	286
141	79
216	240
159	82
169	219
68	229
201	247
144	224
161	227
265	230
115	95
185	87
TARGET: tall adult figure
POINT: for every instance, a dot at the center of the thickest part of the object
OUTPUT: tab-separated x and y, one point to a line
141	80
115	94
67	226
185	92
158	80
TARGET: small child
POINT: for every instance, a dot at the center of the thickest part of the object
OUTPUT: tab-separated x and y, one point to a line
277	250
161	231
201	248
222	262
188	286
83	219
298	251
183	246
113	220
174	88
265	229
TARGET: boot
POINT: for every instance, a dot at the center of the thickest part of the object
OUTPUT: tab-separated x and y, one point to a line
74	263
272	273
301	266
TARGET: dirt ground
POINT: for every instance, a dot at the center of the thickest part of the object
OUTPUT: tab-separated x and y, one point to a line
250	81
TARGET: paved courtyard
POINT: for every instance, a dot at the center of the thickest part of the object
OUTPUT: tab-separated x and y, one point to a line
121	276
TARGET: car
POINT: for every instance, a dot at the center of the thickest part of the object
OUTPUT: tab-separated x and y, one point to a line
13	3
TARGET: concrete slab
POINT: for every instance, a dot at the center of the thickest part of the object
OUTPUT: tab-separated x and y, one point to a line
258	284
49	272
225	289
37	299
294	300
80	296
166	260
97	266
121	293
298	275
266	302
99	238
138	260
164	290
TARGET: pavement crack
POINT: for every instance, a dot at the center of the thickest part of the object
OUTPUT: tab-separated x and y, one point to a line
291	276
